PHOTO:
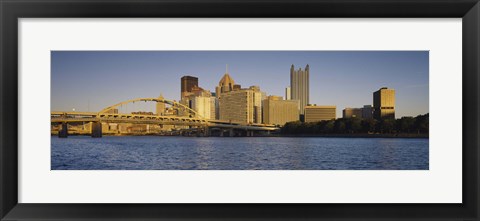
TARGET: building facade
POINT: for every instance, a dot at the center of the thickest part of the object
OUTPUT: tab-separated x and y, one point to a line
352	112
202	105
187	83
288	93
226	84
160	107
242	106
320	113
384	103
300	86
367	112
278	111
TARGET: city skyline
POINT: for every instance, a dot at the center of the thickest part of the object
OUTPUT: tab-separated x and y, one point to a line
344	79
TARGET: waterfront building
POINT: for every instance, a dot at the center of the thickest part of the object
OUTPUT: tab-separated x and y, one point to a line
288	93
213	108
278	111
367	112
300	86
160	107
384	103
187	84
352	112
202	105
242	105
200	101
258	97
320	113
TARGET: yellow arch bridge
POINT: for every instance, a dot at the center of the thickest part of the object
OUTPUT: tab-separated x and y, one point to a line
189	118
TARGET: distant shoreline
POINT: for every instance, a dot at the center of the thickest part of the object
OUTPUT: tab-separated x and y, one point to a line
359	135
285	135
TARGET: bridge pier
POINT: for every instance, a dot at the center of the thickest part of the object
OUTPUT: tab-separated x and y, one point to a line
206	132
63	132
231	132
96	129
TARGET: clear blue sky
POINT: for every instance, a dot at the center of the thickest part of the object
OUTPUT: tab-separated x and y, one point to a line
92	80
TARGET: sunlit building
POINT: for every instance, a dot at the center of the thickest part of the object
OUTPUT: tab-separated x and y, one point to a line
320	113
202	105
384	103
300	86
241	106
160	107
278	111
288	93
226	84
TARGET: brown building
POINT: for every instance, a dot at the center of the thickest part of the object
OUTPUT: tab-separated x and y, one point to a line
187	84
320	113
352	112
384	104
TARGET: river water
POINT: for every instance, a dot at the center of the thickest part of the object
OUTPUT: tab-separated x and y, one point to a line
242	153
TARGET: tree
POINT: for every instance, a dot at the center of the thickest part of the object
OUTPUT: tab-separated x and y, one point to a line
339	126
405	124
368	125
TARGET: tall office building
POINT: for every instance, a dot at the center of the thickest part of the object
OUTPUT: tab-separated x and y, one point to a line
300	86
278	111
320	113
288	93
160	107
187	84
384	104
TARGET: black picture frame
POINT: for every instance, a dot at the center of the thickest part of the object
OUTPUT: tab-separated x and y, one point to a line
12	10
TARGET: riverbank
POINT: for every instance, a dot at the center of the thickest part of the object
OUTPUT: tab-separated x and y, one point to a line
359	135
285	135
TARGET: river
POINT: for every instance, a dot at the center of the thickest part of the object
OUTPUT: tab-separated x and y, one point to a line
238	153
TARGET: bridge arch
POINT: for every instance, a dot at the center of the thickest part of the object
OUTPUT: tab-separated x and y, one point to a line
174	104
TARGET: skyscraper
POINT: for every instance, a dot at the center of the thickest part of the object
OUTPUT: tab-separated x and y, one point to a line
187	84
300	86
384	104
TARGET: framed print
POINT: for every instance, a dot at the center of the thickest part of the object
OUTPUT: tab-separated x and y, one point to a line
226	110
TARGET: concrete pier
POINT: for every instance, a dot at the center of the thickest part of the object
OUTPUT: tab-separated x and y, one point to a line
96	129
63	132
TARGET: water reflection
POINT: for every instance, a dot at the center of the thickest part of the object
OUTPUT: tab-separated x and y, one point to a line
243	153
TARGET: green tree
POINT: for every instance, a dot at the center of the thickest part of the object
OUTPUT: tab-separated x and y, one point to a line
339	126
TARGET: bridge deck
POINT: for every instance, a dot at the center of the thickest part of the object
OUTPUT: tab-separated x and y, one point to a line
72	117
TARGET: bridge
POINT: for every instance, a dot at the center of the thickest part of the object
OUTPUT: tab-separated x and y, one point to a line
190	119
